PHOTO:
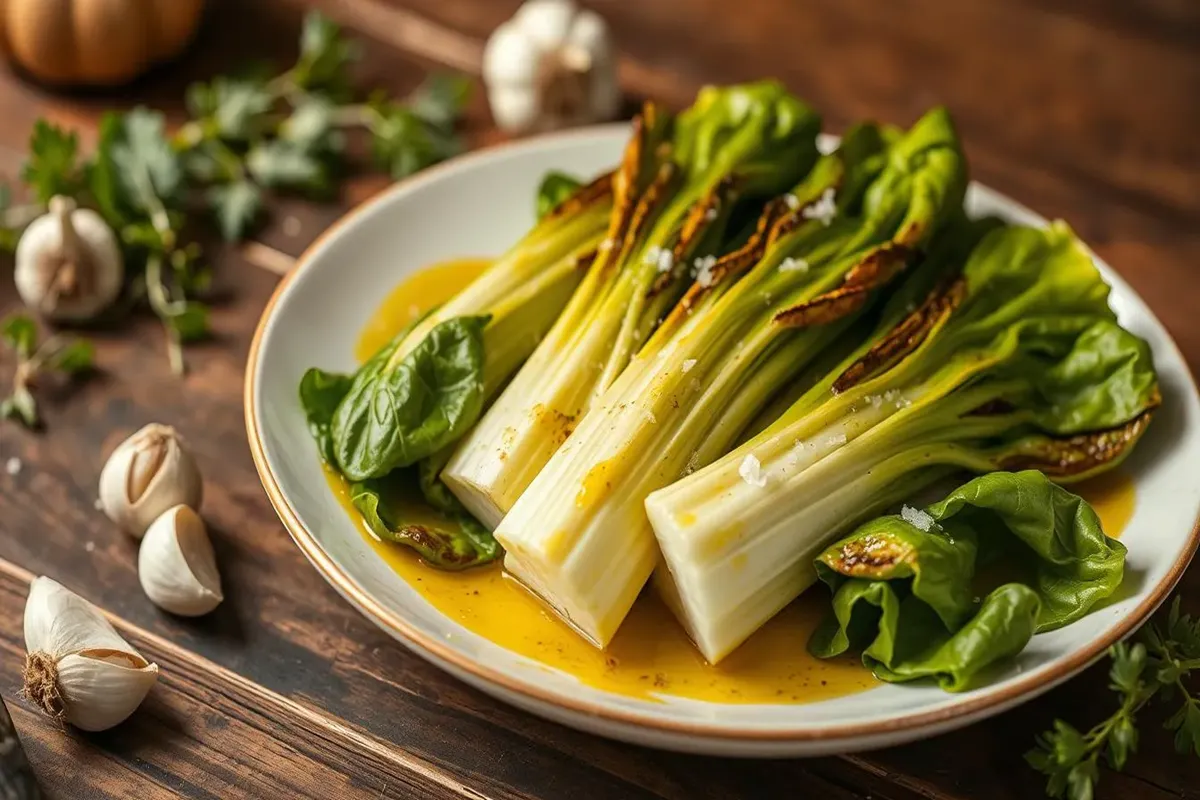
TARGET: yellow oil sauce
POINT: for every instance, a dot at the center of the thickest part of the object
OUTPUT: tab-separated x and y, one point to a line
650	655
414	296
1112	495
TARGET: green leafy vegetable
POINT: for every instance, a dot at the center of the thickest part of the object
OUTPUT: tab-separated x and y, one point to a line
445	541
903	584
399	410
555	188
1013	362
320	393
1157	664
52	167
60	354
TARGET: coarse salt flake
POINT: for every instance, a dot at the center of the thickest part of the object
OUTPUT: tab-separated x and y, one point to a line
836	440
751	471
652	254
825	209
688	364
917	518
790	264
711	214
792	201
704	271
666	259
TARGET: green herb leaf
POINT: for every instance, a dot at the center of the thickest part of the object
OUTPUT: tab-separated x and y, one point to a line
145	162
20	406
233	107
189	320
440	100
21	333
52	167
325	56
72	358
310	126
279	163
236	206
103	182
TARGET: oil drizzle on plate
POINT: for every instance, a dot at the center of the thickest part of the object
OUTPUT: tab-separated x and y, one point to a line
651	655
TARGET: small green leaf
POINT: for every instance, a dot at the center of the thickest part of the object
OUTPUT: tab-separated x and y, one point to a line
236	206
1081	780
21	333
20	406
238	107
77	355
282	164
189	321
52	166
102	179
310	126
324	55
147	165
1122	742
1128	664
1186	724
441	98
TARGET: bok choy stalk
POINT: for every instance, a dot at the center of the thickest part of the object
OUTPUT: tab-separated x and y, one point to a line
579	536
675	191
1015	363
423	389
904	585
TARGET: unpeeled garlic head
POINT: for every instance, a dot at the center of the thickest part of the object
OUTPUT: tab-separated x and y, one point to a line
177	566
147	474
78	668
68	265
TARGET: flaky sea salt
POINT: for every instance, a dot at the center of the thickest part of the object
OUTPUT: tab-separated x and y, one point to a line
790	264
666	259
704	270
711	214
688	363
751	471
825	209
652	255
836	440
916	517
792	201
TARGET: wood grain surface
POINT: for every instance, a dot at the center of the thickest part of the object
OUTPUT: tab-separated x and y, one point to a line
1083	109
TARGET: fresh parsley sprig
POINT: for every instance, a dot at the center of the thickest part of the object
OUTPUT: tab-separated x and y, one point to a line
61	354
247	136
251	134
1157	664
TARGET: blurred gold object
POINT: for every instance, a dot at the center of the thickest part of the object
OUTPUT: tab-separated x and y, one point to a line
94	42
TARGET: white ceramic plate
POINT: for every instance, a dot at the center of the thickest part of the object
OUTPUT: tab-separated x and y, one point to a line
314	319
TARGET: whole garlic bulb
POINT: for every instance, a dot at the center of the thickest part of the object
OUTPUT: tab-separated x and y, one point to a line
78	668
176	564
551	66
147	474
68	265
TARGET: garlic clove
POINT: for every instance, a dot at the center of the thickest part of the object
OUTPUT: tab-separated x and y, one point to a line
58	621
514	107
101	688
546	22
505	58
78	668
147	474
177	566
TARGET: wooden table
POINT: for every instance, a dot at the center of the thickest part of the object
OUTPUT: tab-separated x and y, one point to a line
1085	109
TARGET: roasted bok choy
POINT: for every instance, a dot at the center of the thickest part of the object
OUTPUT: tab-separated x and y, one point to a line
679	184
1014	362
579	536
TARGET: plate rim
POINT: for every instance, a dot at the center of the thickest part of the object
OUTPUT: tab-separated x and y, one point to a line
528	693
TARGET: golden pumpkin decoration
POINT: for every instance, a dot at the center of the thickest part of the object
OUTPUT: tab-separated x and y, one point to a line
94	42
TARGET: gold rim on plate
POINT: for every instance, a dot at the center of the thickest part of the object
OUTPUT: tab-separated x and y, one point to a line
399	627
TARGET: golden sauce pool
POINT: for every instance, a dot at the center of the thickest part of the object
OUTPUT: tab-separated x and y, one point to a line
650	655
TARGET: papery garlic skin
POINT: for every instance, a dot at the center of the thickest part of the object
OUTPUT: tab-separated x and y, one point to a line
147	474
78	668
68	264
551	66
177	566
